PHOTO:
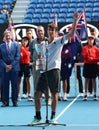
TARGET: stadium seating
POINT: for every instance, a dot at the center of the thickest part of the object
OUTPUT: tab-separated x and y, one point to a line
51	19
1	6
57	1
65	9
30	11
61	15
95	16
10	4
1	21
96	4
96	9
44	20
47	10
27	21
62	19
41	1
48	5
37	15
69	20
40	5
35	20
43	10
32	6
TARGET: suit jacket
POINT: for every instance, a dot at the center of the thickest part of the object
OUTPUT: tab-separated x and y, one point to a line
10	58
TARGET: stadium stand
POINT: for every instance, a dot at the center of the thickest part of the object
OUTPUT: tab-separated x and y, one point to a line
37	10
5	12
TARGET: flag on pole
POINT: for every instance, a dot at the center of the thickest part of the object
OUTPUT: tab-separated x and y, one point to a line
71	50
82	21
11	29
81	29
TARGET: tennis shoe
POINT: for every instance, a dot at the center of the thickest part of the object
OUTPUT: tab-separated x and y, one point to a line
65	98
19	98
95	98
24	96
53	120
85	98
30	98
36	121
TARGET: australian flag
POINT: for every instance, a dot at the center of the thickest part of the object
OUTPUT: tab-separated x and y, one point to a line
71	50
83	28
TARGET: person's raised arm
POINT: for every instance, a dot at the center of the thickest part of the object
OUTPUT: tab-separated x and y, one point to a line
73	26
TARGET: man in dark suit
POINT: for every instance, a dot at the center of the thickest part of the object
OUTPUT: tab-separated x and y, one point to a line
9	62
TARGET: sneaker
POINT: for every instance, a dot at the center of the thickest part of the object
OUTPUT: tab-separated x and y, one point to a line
95	98
35	121
24	96
49	102
85	98
52	120
30	98
19	98
81	94
65	98
89	94
59	98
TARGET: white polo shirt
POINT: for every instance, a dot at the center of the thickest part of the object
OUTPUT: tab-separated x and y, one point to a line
54	53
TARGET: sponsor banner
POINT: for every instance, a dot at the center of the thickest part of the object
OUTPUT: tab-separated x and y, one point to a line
21	28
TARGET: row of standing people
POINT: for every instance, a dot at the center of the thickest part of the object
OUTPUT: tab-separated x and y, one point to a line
10	67
66	77
42	79
27	85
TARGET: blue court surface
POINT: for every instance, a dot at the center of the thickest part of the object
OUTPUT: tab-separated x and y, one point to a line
75	113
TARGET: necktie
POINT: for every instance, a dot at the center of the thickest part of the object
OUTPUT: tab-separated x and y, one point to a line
8	48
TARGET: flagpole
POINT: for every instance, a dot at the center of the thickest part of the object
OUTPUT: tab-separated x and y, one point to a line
85	20
13	29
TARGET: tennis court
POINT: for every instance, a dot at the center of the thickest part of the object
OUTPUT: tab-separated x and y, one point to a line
75	113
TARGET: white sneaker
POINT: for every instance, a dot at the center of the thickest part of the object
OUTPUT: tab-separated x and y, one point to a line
53	120
30	98
35	121
89	94
65	98
95	98
81	94
85	98
24	96
19	98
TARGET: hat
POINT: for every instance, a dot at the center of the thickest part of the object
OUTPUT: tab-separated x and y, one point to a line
89	34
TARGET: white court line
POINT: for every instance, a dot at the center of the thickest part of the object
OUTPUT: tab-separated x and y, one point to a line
64	110
83	125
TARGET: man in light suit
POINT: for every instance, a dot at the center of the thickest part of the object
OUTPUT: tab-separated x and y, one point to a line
9	62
